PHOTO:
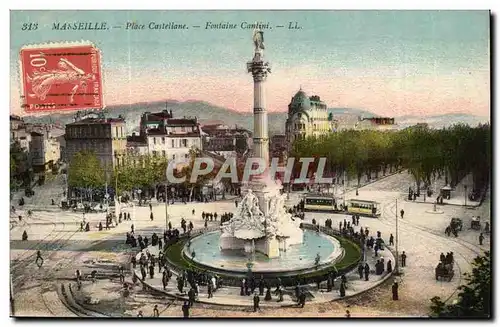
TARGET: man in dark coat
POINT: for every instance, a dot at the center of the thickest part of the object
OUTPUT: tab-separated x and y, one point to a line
191	296
151	271
389	266
256	301
143	273
210	290
403	259
302	299
164	279
395	287
342	289
481	239
261	286
367	271
391	240
185	309
151	216
360	270
180	284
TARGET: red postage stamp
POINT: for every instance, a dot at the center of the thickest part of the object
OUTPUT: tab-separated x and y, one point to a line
61	77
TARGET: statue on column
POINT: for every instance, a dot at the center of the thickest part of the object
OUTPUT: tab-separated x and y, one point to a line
258	41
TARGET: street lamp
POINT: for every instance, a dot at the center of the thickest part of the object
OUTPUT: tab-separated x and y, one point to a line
166	205
465	195
397	242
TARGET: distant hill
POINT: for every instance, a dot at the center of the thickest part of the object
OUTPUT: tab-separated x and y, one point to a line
208	113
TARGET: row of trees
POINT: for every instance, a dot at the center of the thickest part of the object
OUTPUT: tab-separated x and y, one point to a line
87	173
136	172
427	153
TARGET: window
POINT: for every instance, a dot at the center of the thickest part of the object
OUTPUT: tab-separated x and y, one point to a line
163	140
154	140
154	153
184	143
173	157
183	129
173	143
163	153
116	131
186	155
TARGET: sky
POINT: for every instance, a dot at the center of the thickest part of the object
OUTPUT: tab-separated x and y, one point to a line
392	63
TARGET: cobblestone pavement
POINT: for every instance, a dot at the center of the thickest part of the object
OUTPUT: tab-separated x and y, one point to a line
421	236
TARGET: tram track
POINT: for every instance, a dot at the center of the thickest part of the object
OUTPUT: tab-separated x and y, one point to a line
389	207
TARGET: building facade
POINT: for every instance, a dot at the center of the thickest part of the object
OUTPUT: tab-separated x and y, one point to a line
226	141
175	139
45	151
307	116
106	137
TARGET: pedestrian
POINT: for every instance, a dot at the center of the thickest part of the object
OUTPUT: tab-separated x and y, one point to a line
143	273
347	314
132	229
164	279
150	207
280	294
191	296
193	212
210	290
395	287
268	296
481	239
156	313
122	276
25	236
403	259
402	213
367	271
140	315
302	299
261	286
185	309
357	220
256	301
133	261
151	216
206	223
342	289
389	266
180	284
39	259
360	270
391	240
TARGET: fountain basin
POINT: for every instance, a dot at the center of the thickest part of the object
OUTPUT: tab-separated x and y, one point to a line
297	257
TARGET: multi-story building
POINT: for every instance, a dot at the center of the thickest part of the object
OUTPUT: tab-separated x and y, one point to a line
175	139
376	123
307	116
106	137
153	121
226	141
45	151
19	132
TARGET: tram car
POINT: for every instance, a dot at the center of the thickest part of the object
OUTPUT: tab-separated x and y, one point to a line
320	202
363	208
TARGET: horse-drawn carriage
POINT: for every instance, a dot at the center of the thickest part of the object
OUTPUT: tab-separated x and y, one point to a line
475	223
445	270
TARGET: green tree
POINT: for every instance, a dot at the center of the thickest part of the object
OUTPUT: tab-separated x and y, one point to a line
474	298
85	171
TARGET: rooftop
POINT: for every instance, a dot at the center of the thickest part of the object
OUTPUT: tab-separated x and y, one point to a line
97	121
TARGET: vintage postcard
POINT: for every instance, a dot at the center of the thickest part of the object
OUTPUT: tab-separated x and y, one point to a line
251	164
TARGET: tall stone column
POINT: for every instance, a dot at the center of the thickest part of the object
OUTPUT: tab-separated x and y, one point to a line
259	70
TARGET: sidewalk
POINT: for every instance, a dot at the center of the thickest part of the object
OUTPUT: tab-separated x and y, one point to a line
457	195
230	296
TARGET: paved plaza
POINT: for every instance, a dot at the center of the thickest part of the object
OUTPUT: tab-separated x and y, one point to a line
65	249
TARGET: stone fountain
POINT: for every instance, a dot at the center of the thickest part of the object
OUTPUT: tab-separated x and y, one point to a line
261	222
